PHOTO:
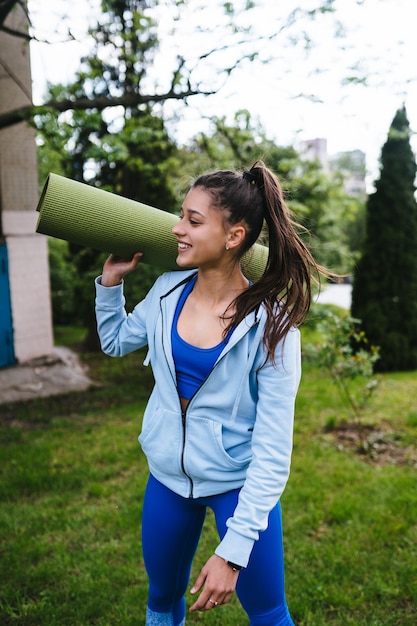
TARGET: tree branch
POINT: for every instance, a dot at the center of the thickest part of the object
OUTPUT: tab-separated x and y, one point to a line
27	113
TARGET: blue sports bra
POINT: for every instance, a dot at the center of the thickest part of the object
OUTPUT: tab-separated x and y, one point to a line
192	364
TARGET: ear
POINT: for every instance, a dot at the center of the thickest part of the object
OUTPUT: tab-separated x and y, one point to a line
236	236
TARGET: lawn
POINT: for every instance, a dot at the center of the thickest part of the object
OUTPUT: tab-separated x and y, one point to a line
72	479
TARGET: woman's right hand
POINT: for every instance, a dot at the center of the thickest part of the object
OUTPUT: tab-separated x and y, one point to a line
116	267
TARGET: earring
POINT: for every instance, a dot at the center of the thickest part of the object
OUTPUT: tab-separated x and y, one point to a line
227	247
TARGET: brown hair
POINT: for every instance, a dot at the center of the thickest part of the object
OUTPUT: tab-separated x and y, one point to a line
253	198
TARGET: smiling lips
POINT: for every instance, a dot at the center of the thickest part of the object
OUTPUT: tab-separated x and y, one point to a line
183	246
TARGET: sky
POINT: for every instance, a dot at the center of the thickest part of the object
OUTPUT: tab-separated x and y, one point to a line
379	38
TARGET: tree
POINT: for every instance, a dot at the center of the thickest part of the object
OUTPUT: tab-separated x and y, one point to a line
385	285
130	154
136	14
194	64
324	209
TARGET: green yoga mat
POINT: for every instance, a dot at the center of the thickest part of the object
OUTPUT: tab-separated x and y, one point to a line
98	219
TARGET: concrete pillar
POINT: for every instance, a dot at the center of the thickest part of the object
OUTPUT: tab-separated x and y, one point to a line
27	251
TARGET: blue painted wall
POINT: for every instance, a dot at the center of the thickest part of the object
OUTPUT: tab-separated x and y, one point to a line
6	324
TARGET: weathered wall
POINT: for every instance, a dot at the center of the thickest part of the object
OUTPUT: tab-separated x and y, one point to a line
27	251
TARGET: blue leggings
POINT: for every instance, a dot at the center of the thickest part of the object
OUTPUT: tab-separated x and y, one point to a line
171	529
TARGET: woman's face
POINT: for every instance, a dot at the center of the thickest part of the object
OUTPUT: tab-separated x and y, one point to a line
201	233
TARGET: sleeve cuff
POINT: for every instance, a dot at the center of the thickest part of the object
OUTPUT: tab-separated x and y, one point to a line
235	548
109	296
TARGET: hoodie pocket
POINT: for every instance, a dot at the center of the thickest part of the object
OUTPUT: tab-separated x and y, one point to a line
161	440
205	456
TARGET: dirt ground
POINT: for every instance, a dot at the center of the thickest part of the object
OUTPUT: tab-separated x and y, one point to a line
376	444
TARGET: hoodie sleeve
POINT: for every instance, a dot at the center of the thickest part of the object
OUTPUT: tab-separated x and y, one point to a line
121	332
272	441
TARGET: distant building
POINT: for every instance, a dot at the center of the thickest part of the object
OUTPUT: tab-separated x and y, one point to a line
350	165
315	150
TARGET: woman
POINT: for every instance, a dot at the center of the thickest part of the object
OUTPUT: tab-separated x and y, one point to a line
217	430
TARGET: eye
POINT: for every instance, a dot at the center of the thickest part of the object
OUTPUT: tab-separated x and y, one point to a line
191	220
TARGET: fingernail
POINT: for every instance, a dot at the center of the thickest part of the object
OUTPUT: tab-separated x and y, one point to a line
192	590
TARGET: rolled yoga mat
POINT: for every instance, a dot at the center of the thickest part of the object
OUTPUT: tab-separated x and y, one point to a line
98	219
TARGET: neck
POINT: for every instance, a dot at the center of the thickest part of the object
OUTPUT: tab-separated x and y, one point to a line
217	286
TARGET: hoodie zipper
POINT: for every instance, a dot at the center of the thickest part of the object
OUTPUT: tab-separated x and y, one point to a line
184	435
183	412
184	428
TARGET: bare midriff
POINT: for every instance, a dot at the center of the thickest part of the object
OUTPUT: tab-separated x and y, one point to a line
184	403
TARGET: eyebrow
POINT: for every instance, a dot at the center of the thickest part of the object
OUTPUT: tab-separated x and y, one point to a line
192	212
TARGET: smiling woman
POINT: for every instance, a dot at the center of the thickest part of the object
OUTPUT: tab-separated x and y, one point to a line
217	430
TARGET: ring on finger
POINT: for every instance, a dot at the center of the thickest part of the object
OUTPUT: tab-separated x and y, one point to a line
213	602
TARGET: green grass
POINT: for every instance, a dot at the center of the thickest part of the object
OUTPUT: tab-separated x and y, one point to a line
72	480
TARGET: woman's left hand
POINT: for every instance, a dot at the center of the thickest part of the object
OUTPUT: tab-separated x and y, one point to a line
218	581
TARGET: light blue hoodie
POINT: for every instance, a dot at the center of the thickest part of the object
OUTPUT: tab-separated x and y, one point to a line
237	429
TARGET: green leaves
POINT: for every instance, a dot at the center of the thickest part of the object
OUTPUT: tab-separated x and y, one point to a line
344	351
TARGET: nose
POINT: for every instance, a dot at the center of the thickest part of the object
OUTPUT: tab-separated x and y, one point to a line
177	229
